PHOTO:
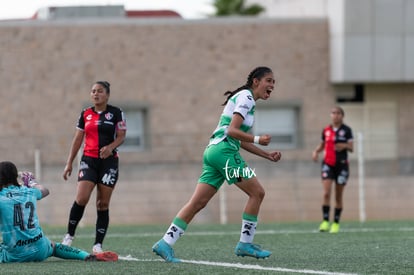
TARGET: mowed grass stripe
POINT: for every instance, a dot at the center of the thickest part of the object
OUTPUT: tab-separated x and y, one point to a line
227	233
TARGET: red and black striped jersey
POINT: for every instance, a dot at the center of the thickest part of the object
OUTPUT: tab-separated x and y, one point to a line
331	136
100	128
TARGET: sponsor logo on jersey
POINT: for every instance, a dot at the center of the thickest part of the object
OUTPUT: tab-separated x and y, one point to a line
28	241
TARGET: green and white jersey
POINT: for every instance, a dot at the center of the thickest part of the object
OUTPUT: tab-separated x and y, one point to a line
241	103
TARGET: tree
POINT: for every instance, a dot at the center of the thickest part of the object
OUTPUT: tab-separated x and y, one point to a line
236	7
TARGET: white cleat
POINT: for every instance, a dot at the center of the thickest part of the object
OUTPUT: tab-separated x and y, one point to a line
97	248
67	240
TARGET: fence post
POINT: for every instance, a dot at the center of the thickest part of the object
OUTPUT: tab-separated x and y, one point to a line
223	204
38	165
361	177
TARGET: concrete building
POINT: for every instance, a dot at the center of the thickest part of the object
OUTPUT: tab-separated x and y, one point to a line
169	76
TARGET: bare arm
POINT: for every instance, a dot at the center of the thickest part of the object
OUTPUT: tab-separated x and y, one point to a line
317	150
44	190
235	132
251	148
248	139
76	144
107	150
345	146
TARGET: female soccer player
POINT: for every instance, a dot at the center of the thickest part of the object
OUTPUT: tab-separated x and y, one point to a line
23	238
222	161
337	141
104	128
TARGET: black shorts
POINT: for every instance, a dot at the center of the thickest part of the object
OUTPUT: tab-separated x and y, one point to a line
102	171
339	173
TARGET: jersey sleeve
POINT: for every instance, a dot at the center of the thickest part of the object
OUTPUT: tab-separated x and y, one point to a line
36	192
323	134
121	121
349	135
81	122
244	104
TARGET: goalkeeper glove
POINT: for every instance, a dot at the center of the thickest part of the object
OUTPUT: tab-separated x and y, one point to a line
28	179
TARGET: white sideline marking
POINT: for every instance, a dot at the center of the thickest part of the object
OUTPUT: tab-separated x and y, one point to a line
258	232
258	267
130	258
241	266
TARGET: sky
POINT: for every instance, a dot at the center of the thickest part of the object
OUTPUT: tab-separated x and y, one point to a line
189	9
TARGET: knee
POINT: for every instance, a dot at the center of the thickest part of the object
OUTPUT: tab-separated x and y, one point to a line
259	194
101	205
82	201
326	195
198	205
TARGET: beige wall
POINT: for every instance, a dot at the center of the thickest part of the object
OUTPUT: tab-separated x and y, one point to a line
179	69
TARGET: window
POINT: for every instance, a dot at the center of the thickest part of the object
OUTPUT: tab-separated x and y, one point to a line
136	129
279	122
347	93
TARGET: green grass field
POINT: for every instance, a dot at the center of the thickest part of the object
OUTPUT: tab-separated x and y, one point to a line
368	248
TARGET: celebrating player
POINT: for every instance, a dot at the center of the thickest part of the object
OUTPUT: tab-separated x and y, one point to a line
222	161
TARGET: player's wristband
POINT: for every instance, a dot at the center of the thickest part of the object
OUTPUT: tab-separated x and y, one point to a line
256	139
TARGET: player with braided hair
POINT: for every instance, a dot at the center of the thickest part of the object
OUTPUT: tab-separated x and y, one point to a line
23	238
223	162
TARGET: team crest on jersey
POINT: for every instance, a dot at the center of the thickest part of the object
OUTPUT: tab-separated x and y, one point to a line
342	133
109	116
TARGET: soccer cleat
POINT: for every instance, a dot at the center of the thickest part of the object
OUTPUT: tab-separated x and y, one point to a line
67	240
165	251
97	248
334	228
107	256
251	250
324	227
